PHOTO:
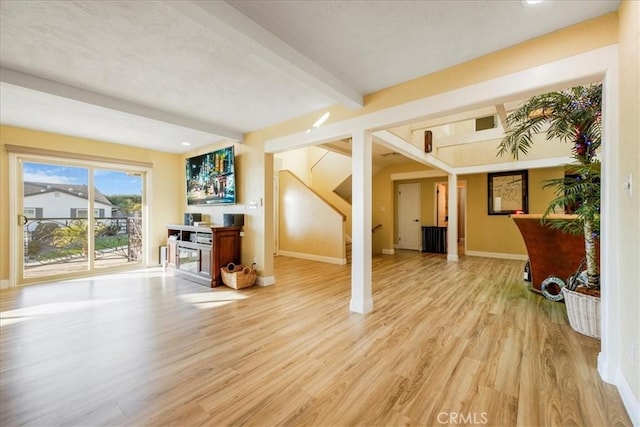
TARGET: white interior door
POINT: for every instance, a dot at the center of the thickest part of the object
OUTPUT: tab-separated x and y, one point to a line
409	207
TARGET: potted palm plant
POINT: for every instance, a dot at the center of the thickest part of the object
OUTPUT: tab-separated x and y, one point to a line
572	115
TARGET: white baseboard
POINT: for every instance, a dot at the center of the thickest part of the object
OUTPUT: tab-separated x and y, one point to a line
451	257
497	255
362	307
388	251
604	369
631	402
311	257
4	284
265	280
418	248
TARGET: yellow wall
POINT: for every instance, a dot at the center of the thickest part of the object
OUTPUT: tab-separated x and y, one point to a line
498	233
485	233
383	205
248	189
628	317
328	173
167	180
308	225
298	162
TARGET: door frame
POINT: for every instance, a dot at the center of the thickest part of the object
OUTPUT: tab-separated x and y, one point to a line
461	184
16	238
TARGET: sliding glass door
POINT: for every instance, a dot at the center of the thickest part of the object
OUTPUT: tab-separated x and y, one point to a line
118	236
77	219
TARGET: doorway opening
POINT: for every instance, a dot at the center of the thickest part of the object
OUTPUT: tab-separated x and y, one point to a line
442	210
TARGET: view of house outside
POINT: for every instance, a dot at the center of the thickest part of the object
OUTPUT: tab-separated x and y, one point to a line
56	229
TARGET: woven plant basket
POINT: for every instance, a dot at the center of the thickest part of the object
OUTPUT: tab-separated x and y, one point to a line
239	276
583	312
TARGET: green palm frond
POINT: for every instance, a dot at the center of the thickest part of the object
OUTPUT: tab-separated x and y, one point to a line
566	113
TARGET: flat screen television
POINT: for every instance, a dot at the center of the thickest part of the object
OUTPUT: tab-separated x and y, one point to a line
211	178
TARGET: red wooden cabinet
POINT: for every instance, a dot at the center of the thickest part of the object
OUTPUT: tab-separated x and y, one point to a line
198	253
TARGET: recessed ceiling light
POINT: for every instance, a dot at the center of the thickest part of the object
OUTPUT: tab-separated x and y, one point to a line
185	143
321	120
528	2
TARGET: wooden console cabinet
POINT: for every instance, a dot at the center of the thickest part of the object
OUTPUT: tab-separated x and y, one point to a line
198	253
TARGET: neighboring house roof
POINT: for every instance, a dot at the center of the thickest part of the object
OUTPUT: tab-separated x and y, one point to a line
33	188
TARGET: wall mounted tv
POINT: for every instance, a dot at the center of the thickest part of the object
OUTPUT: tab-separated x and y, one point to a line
211	178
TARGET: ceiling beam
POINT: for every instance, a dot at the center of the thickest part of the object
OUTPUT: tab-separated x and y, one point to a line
469	138
502	115
515	165
62	90
451	118
336	148
409	150
225	20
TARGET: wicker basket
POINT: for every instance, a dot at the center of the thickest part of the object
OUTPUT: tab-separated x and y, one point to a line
583	312
239	276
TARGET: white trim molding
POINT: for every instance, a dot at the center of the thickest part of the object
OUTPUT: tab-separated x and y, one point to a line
4	284
312	257
511	165
265	280
630	401
610	349
386	251
402	176
498	255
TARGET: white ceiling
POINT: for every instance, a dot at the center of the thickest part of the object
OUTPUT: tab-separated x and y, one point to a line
156	73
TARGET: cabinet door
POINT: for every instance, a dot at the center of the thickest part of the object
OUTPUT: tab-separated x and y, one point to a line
205	261
188	259
226	249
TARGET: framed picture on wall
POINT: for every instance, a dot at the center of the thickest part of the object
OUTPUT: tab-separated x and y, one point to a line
508	193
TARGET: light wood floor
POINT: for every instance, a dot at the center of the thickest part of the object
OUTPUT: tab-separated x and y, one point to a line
448	343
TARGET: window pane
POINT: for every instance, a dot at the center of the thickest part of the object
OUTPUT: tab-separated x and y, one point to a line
118	230
54	239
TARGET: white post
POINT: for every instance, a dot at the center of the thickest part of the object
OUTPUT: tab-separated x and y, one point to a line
361	301
452	227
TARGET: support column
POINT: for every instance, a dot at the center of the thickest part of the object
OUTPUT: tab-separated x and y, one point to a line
452	227
361	301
